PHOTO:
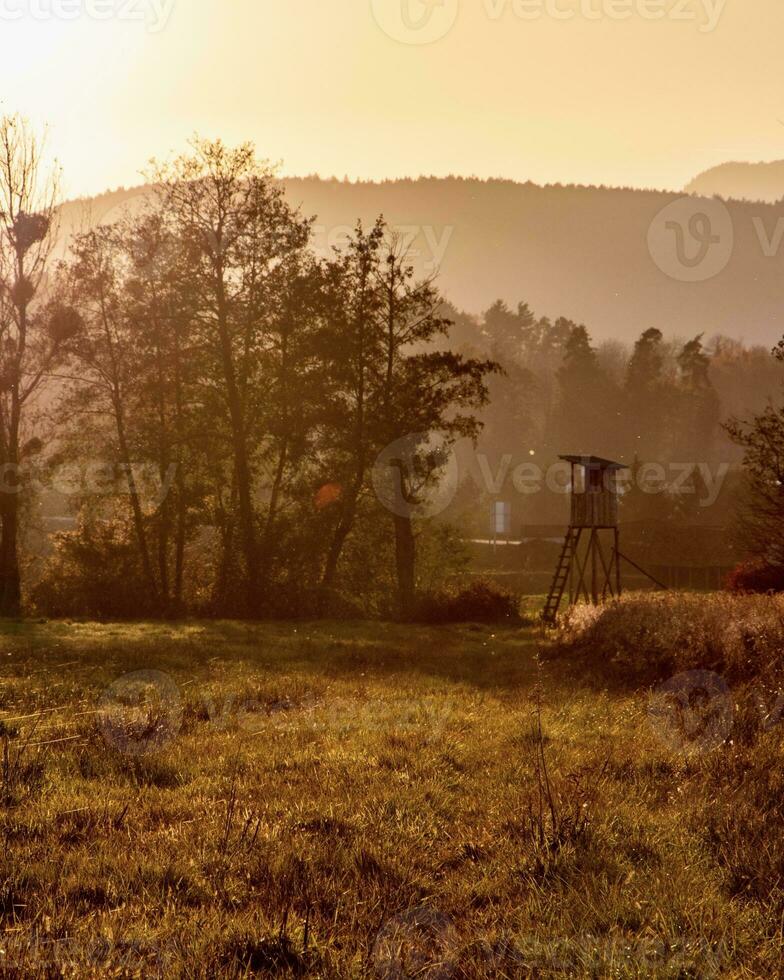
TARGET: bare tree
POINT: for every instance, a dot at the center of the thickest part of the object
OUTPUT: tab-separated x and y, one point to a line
34	331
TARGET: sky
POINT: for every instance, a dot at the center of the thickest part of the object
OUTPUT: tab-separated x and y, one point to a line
644	93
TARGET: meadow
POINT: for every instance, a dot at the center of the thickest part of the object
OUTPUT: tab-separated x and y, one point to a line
207	799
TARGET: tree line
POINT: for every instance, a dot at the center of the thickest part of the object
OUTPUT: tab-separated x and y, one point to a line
273	420
260	383
695	402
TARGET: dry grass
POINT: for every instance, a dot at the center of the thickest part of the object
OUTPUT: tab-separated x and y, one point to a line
742	637
366	800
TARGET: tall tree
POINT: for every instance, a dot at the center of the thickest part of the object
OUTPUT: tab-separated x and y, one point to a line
354	346
698	409
34	330
647	404
236	229
588	412
761	514
423	393
103	385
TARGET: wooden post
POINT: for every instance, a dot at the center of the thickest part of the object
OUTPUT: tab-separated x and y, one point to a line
571	570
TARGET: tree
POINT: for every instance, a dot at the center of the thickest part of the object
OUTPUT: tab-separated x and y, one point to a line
647	400
353	344
107	364
235	229
645	367
698	405
34	329
423	393
761	513
587	414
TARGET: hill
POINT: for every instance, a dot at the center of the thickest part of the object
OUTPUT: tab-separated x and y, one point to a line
581	252
742	181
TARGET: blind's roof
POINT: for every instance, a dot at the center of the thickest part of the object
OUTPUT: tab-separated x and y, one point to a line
594	462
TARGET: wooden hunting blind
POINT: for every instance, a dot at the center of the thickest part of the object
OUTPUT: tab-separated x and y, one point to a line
589	563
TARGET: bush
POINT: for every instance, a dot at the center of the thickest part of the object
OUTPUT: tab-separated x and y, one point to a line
480	602
756	576
741	636
94	572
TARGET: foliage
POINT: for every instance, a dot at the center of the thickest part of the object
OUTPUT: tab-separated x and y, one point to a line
761	517
94	572
753	575
478	602
260	384
653	634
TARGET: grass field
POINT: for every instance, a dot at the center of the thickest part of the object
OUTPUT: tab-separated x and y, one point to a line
359	800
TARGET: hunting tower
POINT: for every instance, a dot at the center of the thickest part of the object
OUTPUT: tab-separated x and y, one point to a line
589	564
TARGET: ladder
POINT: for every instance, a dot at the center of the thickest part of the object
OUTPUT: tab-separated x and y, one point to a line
561	575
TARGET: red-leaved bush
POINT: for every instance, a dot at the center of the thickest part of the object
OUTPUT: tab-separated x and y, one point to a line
756	576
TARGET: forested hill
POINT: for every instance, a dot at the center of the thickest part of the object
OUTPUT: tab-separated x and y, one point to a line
580	252
742	181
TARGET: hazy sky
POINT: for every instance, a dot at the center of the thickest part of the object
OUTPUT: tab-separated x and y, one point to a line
639	92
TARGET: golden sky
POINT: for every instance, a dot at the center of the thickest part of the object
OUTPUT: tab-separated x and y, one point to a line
637	92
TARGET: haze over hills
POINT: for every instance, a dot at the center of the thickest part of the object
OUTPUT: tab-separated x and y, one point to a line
580	252
741	181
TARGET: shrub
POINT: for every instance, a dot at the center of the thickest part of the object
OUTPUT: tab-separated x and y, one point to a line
94	572
741	636
756	576
480	602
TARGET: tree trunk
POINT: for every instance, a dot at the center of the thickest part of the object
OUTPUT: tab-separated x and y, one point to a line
133	490
241	465
10	578
342	530
405	562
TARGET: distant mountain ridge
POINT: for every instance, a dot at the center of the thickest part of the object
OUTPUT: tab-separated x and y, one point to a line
575	251
742	182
